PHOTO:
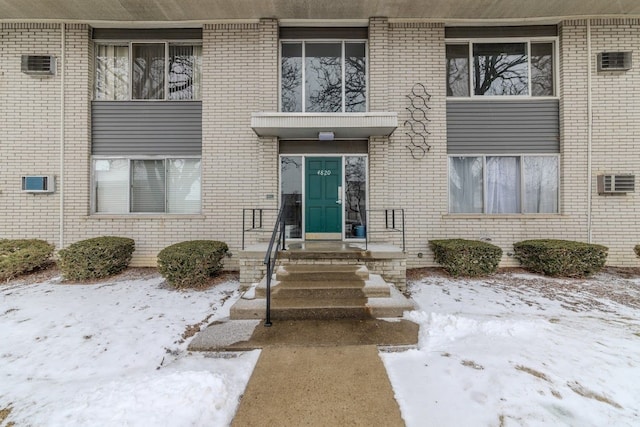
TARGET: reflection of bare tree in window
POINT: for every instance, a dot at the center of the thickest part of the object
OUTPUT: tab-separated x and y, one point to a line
291	82
542	69
148	71
356	190
500	69
112	72
324	84
291	175
323	69
355	76
458	70
184	72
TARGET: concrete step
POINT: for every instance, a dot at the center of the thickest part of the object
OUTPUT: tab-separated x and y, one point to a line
375	286
378	307
393	306
324	272
319	308
300	308
323	291
317	292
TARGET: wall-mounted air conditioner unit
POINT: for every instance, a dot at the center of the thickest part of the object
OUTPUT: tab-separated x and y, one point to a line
38	184
38	64
616	184
614	61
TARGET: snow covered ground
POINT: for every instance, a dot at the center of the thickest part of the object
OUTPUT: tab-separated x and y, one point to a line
513	350
532	352
113	354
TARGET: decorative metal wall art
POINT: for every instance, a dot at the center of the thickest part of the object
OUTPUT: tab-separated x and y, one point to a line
417	124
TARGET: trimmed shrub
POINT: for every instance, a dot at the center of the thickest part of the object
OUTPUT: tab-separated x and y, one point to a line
22	256
95	258
564	258
190	264
637	250
461	257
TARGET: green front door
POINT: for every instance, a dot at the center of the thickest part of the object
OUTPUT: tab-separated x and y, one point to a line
323	212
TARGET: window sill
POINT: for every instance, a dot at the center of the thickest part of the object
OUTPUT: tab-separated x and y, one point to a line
99	217
505	216
145	100
500	98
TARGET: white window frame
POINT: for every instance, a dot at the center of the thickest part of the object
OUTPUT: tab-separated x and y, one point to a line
129	44
484	156
303	92
528	40
129	160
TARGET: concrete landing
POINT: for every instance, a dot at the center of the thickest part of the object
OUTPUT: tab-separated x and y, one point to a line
242	335
319	386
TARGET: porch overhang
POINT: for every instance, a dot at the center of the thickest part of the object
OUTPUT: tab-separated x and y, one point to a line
309	125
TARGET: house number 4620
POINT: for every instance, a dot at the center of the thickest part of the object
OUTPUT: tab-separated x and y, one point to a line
324	172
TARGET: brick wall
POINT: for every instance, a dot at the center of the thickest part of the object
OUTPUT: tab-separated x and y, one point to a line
240	170
29	132
616	138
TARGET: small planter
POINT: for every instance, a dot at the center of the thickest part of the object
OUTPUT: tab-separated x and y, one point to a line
359	231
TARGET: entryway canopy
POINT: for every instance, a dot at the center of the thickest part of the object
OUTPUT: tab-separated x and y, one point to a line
309	125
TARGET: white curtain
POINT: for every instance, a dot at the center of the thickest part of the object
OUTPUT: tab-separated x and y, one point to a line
183	186
147	186
541	184
148	71
112	73
503	185
185	72
465	185
111	185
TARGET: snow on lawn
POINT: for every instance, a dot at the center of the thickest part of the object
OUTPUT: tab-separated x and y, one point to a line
113	354
537	352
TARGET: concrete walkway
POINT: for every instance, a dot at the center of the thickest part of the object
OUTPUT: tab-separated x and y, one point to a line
314	372
319	386
242	335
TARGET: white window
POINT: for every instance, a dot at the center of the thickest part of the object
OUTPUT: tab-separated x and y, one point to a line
327	77
513	68
146	185
503	184
148	71
112	73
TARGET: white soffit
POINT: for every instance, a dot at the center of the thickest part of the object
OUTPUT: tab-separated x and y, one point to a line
140	11
308	125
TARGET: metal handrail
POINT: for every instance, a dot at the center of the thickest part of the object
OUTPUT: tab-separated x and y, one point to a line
277	239
256	215
389	225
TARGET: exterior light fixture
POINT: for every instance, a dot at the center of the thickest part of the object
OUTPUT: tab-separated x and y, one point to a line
326	136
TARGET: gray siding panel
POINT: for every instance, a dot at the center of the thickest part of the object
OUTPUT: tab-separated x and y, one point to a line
146	128
497	32
323	147
324	33
147	33
503	127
